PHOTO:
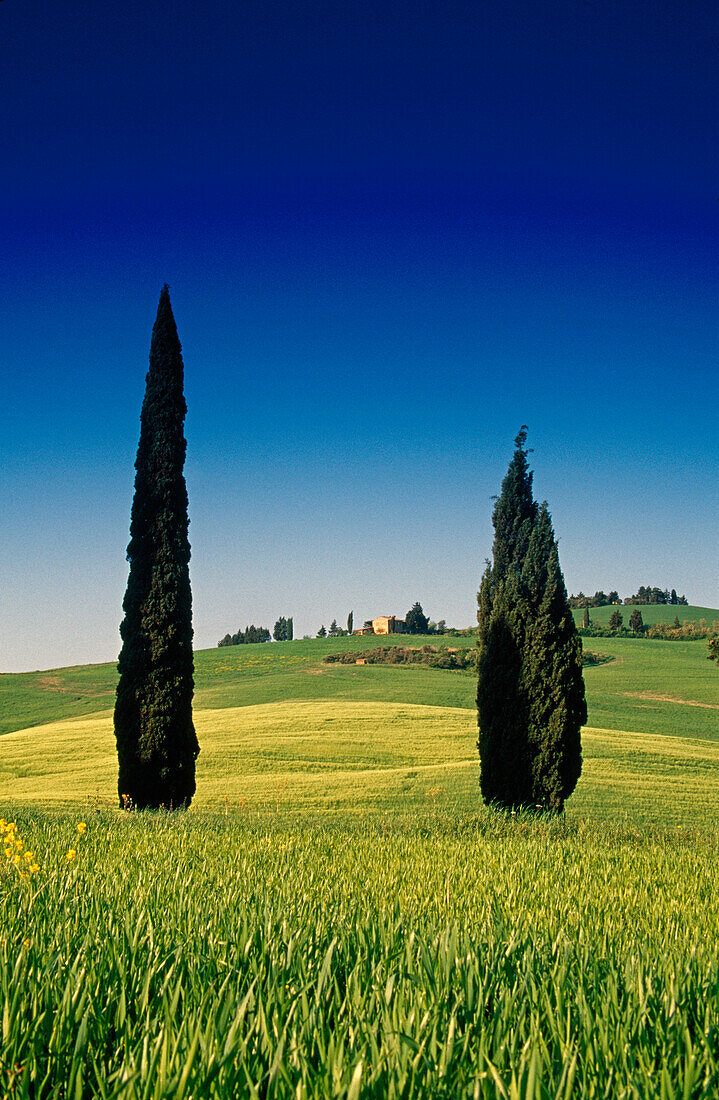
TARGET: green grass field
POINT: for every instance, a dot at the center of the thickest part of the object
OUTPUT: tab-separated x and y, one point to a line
651	613
209	957
337	914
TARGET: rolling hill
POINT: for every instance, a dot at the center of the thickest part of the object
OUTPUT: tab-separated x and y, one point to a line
281	730
651	613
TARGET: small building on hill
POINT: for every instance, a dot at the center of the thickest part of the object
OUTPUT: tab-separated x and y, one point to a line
388	624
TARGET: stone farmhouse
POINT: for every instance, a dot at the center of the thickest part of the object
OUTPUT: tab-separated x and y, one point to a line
383	624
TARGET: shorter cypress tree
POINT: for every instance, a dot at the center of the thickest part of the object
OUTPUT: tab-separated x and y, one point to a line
530	691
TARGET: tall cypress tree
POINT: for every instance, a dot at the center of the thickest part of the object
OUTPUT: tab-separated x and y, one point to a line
530	692
156	741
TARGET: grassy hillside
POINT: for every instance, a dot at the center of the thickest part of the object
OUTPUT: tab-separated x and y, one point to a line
344	759
373	738
238	676
649	687
651	613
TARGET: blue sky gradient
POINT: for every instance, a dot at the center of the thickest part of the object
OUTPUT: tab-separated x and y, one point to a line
393	234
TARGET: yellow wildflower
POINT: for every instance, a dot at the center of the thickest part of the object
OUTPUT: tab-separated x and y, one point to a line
81	827
71	854
33	868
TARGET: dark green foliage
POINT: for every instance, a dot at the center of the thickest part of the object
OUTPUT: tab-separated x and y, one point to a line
290	629
248	636
322	632
616	620
350	622
652	595
431	656
156	741
283	631
590	659
530	692
515	512
334	629
645	595
636	623
585	618
552	676
416	621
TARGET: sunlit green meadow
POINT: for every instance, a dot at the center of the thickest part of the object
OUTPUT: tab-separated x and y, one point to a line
207	957
337	914
338	758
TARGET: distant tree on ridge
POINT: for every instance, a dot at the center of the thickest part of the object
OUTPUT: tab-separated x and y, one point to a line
416	621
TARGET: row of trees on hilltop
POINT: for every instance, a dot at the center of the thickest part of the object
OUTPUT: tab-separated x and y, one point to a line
248	636
336	631
283	631
645	595
530	692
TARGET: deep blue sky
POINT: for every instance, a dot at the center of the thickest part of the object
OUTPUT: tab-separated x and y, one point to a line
393	233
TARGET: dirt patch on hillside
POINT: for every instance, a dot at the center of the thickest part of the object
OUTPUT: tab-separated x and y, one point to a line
65	687
660	697
51	683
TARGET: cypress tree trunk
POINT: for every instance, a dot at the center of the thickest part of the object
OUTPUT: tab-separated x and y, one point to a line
156	741
530	691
